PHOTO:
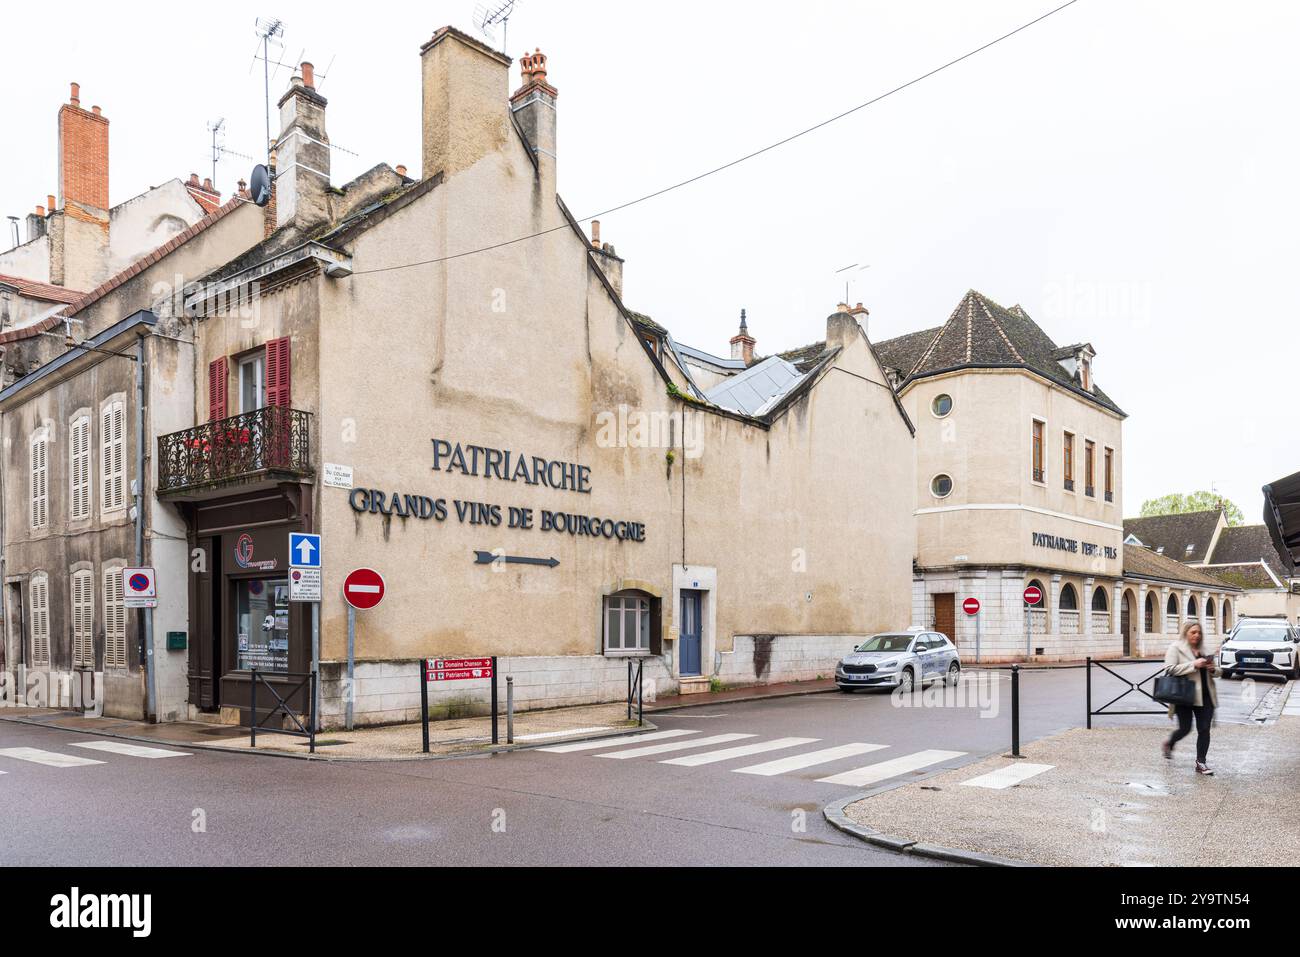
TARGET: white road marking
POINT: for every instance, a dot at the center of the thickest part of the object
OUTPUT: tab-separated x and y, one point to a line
872	773
615	742
48	758
799	761
674	746
558	734
726	754
1007	777
131	750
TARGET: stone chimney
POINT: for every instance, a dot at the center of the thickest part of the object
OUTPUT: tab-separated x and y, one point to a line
533	105
36	224
610	263
742	344
841	326
464	114
302	155
83	160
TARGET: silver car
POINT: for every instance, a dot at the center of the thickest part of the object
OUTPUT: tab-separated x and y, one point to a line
904	659
1264	646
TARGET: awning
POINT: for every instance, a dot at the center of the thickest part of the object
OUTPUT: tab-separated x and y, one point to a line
1282	516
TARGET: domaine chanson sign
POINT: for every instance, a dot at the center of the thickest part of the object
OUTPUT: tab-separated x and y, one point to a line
507	466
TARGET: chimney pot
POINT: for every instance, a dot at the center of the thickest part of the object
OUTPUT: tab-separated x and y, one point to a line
96	111
842	307
309	75
194	179
595	233
40	211
49	202
207	184
75	98
401	170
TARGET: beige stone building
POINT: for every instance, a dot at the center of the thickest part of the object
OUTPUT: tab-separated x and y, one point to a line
1018	482
531	466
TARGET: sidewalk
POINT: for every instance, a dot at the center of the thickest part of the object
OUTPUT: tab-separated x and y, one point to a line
789	689
390	742
1109	799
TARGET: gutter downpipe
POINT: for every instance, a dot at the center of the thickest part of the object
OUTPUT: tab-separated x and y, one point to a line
150	679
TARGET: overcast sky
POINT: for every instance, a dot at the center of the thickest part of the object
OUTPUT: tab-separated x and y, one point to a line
1124	170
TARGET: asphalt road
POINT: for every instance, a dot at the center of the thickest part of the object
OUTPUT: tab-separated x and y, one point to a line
537	806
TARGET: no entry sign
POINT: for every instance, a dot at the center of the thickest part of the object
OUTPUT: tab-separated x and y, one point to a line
457	669
363	588
971	606
1033	595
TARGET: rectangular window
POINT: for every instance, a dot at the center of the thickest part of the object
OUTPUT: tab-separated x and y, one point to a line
1090	468
83	619
114	619
40	480
1110	475
1037	464
627	625
79	467
39	597
252	382
112	464
1069	461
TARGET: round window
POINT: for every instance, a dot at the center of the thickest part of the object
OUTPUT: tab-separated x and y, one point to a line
941	486
941	405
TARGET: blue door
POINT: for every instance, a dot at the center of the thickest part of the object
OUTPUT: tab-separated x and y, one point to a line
688	631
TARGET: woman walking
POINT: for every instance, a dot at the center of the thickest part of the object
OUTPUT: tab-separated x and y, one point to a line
1188	658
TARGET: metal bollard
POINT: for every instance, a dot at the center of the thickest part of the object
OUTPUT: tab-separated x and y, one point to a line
510	709
1015	711
1088	682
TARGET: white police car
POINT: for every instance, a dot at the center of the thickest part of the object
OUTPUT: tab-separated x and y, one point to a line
902	659
1261	646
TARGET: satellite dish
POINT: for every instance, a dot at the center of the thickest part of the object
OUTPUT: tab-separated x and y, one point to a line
259	185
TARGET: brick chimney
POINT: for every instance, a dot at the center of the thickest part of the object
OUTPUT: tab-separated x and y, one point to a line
742	344
464	114
534	107
83	160
203	193
302	155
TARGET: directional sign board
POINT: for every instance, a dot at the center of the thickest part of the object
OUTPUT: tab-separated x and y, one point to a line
139	588
1033	595
363	588
457	669
304	550
971	606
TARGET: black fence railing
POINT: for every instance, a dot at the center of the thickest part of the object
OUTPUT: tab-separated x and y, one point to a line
271	440
305	679
1132	686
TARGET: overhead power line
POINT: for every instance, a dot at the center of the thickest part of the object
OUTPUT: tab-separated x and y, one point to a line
735	162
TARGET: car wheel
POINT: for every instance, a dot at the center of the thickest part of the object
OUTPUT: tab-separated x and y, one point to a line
954	674
844	689
907	681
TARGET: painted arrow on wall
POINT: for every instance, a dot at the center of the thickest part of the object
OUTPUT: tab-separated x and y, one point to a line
487	558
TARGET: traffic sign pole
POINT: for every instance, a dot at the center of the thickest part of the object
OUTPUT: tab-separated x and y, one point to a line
352	659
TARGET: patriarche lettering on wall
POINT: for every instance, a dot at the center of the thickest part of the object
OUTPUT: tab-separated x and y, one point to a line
1073	545
510	466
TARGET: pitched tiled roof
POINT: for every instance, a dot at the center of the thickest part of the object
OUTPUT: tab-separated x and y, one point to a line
982	334
44	291
805	357
1175	533
1247	544
1248	575
1141	562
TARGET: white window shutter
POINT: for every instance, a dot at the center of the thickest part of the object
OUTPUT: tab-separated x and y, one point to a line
39	480
113	456
39	596
79	446
114	620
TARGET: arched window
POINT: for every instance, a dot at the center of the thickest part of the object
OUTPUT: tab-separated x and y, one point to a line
1191	606
1171	608
1069	598
1227	616
1209	608
1149	616
1099	602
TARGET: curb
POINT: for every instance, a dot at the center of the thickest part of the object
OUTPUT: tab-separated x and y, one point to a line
337	759
748	698
835	816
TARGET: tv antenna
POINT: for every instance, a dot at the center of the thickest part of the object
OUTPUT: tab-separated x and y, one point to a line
487	16
269	29
215	129
848	279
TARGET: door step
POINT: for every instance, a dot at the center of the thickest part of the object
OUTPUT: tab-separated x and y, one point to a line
694	685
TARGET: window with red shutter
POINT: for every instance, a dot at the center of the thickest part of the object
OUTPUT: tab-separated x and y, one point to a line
277	373
218	375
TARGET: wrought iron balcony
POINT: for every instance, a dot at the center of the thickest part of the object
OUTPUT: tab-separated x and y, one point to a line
271	443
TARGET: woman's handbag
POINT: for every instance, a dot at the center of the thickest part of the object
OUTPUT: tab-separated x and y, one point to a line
1175	689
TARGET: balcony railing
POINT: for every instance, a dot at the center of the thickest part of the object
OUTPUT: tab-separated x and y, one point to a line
1090	491
273	442
1069	485
1110	496
1039	475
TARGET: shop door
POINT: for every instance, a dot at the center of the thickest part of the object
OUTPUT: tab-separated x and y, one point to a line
1125	627
945	620
205	642
689	633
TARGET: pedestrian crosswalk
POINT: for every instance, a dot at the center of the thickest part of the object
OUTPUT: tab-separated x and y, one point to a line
63	760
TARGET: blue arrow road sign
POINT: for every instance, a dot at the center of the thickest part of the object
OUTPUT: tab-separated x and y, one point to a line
304	550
